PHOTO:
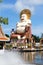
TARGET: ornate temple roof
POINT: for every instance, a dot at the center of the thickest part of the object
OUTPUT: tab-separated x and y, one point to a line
2	36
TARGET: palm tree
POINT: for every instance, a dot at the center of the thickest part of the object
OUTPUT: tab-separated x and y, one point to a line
1	0
3	20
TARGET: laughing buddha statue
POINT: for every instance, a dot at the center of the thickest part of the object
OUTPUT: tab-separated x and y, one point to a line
23	28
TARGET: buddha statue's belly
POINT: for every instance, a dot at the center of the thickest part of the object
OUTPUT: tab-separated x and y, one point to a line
20	29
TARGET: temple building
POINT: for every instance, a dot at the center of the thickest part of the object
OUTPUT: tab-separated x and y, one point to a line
41	41
3	38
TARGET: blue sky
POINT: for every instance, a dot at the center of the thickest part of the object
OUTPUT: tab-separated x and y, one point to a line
12	8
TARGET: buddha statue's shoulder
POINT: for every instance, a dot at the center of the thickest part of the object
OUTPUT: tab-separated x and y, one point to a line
29	21
19	23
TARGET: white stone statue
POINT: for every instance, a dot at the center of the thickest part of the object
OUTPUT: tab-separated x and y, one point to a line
23	28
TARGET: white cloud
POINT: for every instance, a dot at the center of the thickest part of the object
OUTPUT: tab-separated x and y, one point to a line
6	6
19	5
32	2
29	4
22	4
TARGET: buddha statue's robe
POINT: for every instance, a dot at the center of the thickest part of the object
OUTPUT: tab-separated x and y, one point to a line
20	28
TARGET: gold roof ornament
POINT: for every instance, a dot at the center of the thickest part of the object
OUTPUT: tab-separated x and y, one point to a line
27	12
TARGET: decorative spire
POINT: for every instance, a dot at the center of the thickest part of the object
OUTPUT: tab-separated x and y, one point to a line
2	35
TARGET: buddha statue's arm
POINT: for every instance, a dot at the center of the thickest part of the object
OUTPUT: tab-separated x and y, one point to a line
29	23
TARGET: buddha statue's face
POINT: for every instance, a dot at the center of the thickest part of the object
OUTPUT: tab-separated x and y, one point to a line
23	17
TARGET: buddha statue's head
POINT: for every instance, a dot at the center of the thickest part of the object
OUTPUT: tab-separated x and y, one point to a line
25	15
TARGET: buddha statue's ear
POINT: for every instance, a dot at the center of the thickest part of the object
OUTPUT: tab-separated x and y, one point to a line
27	12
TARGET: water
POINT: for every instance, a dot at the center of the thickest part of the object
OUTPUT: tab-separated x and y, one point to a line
11	58
18	58
33	57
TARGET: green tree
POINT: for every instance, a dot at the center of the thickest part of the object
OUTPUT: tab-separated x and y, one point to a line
6	35
3	20
1	1
36	38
